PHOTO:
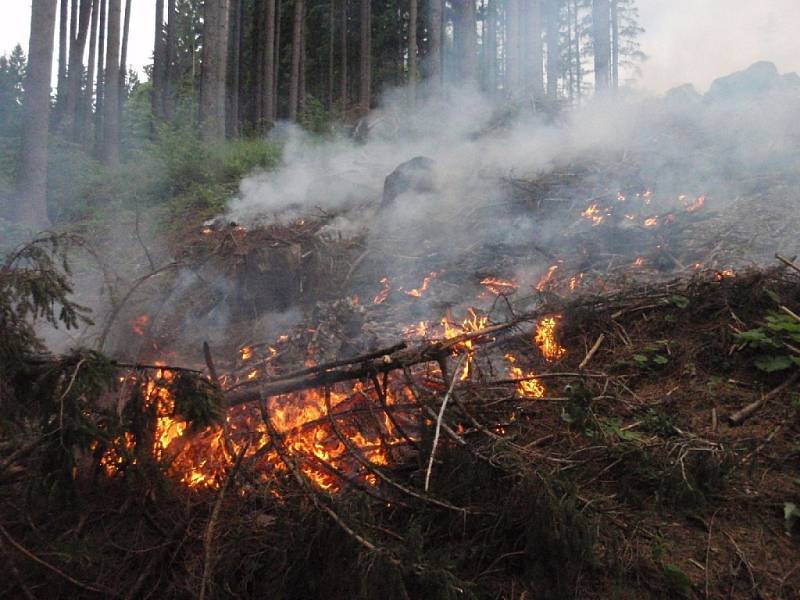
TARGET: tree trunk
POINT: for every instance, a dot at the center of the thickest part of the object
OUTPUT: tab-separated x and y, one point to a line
553	49
63	32
615	44
294	80
343	59
159	64
412	51
469	42
365	76
213	77
269	63
301	98
111	126
602	44
534	54
257	65
167	99
75	71
436	30
31	207
513	49
99	107
490	48
578	63
331	52
232	93
86	104
277	82
123	63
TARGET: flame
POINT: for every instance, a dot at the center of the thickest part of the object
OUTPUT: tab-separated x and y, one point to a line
545	339
544	282
381	297
696	205
531	387
500	287
246	352
720	275
593	214
417	292
473	322
640	261
651	222
575	282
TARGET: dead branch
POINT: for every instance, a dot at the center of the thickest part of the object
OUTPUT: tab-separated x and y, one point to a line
745	413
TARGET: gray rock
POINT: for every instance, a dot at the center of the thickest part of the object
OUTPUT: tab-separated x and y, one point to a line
759	78
415	175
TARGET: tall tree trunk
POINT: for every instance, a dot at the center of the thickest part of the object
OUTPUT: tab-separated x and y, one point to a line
553	49
331	52
31	207
123	63
88	94
159	64
615	44
277	82
602	44
232	92
513	49
343	59
75	71
412	51
578	62
100	97
269	63
170	75
294	80
111	126
257	65
535	53
365	76
469	42
63	36
213	77
301	97
436	33
490	48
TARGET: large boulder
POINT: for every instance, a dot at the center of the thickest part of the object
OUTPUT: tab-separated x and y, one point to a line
760	78
683	95
415	175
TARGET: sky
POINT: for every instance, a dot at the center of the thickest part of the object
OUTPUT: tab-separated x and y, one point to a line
687	41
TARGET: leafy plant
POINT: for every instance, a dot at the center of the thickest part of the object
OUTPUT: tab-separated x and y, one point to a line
776	342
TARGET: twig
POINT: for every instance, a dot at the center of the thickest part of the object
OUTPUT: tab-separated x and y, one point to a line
592	352
788	262
439	421
742	415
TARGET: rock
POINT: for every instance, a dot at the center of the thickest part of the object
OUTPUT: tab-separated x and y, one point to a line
415	175
791	80
682	95
760	78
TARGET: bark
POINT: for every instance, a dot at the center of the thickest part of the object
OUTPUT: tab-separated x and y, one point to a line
535	54
111	125
75	72
213	77
615	44
435	29
294	81
159	64
578	64
31	207
86	104
301	99
232	92
365	76
269	64
63	29
343	59
513	49
412	51
123	63
99	108
331	52
490	48
167	98
602	44
257	65
553	49
276	83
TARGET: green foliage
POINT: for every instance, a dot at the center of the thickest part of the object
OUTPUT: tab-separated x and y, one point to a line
197	400
776	342
677	582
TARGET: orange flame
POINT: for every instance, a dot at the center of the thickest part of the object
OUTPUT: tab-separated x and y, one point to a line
381	297
530	387
546	339
500	287
544	282
426	282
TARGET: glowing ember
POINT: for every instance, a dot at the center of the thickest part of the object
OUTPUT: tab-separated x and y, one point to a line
139	324
593	214
473	322
530	387
575	282
639	262
720	275
381	297
246	352
544	282
500	287
546	339
651	222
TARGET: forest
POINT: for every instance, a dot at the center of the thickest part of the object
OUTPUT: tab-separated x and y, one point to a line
393	299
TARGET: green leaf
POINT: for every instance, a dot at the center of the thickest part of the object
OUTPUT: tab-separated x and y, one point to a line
679	301
771	364
773	296
677	581
660	359
640	358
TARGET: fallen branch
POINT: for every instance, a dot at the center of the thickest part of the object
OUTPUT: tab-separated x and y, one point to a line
742	415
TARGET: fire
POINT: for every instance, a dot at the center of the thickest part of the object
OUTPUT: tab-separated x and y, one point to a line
546	339
593	214
140	324
651	222
246	352
720	275
530	387
696	205
500	287
474	322
381	297
640	261
544	282
575	282
420	330
417	292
